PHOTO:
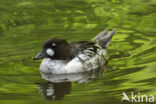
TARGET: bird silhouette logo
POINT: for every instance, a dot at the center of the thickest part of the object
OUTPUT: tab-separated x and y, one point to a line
125	97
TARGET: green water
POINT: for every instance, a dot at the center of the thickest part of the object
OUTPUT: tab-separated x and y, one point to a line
26	24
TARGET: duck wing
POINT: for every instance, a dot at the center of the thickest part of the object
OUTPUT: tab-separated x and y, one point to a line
84	47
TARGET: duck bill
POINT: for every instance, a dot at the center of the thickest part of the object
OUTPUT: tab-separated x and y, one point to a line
39	56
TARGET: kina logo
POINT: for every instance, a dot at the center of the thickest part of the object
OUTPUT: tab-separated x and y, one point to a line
137	97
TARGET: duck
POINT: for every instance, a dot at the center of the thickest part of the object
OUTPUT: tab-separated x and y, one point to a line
62	57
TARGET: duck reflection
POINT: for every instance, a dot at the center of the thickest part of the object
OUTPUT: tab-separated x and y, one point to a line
54	91
57	86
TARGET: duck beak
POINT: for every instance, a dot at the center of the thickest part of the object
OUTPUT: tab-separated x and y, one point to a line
39	56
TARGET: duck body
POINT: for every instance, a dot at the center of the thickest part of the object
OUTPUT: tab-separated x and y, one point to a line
82	56
84	61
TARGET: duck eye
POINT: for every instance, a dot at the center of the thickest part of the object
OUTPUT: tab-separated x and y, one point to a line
53	44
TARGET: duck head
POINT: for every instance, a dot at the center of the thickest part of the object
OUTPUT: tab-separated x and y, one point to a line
55	49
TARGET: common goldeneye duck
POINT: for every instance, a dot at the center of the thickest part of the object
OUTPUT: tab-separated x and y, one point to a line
61	57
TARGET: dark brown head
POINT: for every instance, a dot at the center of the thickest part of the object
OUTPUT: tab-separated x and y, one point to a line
55	49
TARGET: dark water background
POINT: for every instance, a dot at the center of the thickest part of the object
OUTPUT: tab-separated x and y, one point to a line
26	24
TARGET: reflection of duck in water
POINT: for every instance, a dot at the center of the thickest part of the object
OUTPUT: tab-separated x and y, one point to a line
54	91
60	85
61	57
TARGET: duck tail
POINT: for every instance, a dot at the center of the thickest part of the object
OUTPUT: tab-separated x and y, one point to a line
103	39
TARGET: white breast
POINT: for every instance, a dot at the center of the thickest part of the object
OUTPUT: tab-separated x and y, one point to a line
79	64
